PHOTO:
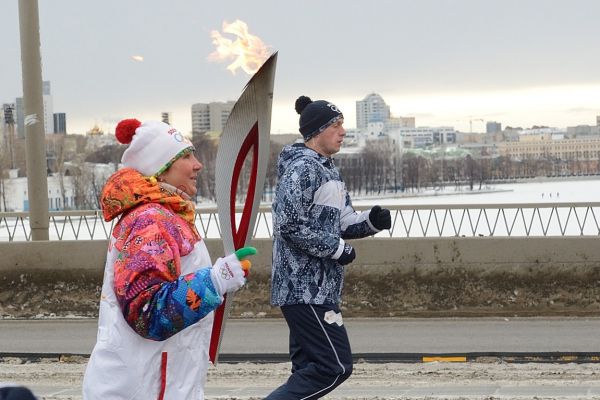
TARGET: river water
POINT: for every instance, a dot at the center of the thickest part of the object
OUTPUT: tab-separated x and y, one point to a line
542	222
551	191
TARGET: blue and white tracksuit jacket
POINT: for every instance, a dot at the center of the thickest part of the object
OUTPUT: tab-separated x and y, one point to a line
312	215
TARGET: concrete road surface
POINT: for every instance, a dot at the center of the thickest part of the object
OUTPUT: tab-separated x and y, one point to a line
381	335
53	380
389	381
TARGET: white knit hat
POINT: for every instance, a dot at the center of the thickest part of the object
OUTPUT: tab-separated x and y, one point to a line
153	145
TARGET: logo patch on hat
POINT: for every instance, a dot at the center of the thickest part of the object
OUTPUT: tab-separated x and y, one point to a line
333	108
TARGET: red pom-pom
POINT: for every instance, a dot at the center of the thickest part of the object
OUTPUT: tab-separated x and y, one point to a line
126	129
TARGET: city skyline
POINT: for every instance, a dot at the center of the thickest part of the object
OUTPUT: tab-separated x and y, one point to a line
446	63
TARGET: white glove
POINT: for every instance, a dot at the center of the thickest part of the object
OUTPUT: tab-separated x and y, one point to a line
227	274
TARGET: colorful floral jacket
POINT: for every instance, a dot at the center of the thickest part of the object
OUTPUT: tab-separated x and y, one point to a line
155	317
312	215
155	230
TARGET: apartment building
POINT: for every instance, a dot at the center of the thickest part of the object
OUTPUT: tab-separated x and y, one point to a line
207	117
544	147
371	109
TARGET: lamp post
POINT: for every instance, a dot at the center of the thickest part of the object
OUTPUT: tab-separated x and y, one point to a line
31	66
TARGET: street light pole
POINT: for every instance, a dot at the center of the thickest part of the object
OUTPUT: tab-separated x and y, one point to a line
31	66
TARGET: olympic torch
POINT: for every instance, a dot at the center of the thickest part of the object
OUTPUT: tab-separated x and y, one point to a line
246	133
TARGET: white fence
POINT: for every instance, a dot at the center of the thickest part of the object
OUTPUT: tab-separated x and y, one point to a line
456	220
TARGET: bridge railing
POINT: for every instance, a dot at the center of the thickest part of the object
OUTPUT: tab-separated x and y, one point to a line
453	220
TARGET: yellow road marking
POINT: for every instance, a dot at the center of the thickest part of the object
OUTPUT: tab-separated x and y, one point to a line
445	359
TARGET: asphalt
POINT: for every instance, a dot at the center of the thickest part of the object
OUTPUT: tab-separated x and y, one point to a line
486	392
367	336
417	338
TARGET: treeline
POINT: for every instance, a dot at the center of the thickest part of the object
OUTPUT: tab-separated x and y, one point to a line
378	168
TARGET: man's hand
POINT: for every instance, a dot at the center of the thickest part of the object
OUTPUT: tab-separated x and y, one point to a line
348	255
380	218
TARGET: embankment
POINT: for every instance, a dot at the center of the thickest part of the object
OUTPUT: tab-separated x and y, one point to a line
390	277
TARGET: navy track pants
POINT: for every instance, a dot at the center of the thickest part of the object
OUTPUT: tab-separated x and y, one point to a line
319	350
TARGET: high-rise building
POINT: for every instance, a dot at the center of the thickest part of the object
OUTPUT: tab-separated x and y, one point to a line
7	137
210	116
493	127
371	109
8	113
48	108
60	123
165	117
48	117
597	120
20	117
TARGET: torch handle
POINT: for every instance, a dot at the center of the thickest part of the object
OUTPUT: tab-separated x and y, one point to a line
245	252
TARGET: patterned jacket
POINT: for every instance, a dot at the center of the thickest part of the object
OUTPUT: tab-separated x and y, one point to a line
312	215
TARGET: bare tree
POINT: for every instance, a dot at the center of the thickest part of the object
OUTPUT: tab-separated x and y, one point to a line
377	156
109	154
206	152
504	167
484	170
79	191
352	171
95	187
436	170
3	171
470	170
58	149
271	179
397	170
410	171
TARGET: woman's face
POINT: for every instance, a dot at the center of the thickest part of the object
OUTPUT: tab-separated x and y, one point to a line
183	174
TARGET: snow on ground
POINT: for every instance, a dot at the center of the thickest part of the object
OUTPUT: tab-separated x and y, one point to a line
390	378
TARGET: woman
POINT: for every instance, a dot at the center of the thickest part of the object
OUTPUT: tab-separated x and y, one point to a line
160	286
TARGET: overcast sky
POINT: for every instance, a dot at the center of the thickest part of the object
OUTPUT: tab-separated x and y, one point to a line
519	62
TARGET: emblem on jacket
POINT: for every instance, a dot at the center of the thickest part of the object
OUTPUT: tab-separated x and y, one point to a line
331	317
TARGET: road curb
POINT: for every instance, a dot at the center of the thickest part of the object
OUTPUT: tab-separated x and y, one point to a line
266	358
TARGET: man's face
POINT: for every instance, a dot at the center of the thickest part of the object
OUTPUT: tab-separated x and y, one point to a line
329	142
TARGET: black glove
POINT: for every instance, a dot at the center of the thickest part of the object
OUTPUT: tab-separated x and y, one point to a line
348	255
380	218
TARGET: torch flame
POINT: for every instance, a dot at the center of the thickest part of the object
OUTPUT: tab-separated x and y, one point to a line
248	52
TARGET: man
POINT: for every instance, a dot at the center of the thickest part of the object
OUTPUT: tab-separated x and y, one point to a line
312	217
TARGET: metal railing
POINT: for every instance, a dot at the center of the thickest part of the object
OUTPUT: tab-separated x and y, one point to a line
455	220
